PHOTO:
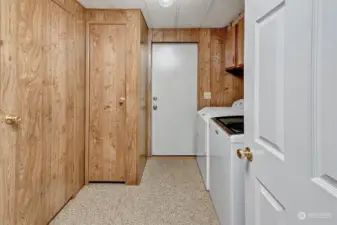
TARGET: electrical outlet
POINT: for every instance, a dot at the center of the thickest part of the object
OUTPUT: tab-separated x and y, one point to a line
207	95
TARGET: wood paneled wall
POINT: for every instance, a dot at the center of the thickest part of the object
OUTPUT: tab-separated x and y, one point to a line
135	84
144	62
225	87
42	80
212	77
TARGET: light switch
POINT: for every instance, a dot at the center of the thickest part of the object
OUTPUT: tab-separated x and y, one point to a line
207	95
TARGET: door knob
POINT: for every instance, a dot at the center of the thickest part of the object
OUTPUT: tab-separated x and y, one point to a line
155	107
121	100
12	120
247	153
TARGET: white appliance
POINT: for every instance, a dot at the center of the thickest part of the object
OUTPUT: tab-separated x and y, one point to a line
202	139
227	175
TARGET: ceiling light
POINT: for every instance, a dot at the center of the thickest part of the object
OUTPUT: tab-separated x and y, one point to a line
166	3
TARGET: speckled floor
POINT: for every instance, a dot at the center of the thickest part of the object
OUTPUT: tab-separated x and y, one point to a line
171	193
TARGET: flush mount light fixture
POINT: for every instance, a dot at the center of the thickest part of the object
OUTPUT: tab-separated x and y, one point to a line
166	3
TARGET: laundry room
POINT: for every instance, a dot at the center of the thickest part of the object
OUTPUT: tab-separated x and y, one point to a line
161	112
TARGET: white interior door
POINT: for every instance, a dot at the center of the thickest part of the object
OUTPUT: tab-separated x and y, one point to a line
174	98
291	112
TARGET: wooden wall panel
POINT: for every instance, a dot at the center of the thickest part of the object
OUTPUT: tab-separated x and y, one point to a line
219	86
106	15
59	35
47	114
149	94
204	74
144	61
132	95
68	5
30	152
78	171
225	87
176	35
40	69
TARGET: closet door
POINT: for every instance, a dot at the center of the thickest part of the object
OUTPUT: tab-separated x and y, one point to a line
107	147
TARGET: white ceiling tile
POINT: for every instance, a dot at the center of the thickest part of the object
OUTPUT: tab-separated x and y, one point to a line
192	12
183	13
162	19
222	12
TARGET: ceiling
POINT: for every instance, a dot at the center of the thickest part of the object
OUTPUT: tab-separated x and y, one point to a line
182	14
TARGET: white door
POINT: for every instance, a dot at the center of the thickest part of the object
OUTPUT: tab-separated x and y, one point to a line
174	98
291	112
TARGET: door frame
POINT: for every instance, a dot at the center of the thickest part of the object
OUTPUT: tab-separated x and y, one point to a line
87	93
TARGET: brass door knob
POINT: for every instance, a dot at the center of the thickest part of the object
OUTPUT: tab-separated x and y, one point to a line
121	100
12	120
247	153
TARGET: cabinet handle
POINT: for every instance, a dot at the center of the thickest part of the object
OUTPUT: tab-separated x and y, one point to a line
217	132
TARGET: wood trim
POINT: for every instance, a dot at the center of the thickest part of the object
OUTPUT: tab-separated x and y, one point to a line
149	97
87	103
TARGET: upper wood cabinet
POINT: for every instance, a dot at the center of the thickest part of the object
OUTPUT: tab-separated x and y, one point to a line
234	46
230	47
240	43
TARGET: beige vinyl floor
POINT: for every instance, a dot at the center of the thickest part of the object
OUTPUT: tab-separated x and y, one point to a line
171	193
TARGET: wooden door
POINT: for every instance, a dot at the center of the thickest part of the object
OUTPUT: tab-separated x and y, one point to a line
107	102
230	47
21	74
290	115
240	43
8	105
39	71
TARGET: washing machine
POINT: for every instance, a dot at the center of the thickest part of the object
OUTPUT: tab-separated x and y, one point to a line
203	134
227	170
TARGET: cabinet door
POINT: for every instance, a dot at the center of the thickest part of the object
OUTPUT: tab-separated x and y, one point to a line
240	43
230	48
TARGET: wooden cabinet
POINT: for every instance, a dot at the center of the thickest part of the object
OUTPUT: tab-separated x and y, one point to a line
230	47
240	43
234	46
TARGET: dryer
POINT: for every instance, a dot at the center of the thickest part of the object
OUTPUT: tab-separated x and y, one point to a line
202	134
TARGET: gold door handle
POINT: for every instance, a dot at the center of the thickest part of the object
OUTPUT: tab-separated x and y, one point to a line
12	120
247	153
121	100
